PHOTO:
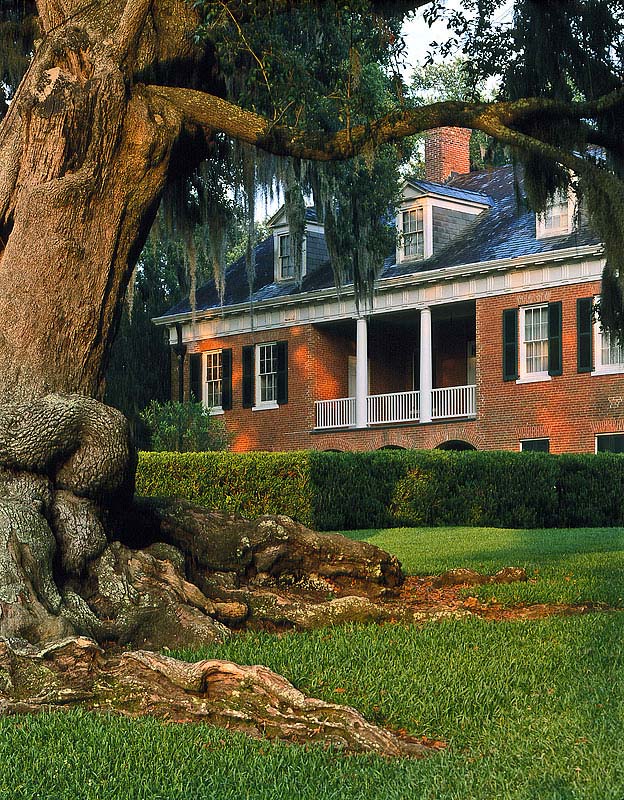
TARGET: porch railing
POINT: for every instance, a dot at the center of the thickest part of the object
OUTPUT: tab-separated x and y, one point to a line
456	401
394	407
335	413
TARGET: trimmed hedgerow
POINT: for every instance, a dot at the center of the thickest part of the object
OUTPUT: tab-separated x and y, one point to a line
248	483
346	491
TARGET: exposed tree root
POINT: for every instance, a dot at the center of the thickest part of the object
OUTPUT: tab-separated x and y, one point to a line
79	558
253	699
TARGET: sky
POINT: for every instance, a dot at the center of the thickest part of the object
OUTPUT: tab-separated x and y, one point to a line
418	34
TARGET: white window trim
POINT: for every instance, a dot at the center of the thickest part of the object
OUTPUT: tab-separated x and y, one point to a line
427	209
542	232
259	404
212	410
599	367
277	234
528	377
608	433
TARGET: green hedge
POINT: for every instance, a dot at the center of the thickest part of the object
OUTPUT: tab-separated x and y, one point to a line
249	483
342	491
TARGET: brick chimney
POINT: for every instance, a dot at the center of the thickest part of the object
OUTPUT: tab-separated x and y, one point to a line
447	150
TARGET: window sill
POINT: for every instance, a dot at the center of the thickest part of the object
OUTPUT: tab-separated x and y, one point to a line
552	233
215	411
612	369
536	378
265	406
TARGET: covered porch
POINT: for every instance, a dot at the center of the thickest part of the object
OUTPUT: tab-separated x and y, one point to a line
407	367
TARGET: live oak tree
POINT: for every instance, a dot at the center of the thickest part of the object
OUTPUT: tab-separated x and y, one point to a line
119	97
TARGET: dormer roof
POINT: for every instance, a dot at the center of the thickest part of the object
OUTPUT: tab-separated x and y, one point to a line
505	231
279	218
449	192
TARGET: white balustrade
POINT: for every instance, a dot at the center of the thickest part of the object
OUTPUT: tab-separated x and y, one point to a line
335	413
456	401
395	407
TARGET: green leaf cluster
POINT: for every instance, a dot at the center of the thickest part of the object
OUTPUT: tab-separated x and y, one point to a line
184	427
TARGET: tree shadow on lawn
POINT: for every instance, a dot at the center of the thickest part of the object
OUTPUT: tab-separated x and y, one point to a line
563	565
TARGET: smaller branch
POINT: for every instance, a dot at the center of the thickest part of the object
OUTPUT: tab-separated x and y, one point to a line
130	27
250	49
496	119
244	10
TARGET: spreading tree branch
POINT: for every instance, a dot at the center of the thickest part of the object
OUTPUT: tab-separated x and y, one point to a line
496	119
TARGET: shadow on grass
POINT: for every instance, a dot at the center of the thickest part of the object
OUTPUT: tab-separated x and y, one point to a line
567	565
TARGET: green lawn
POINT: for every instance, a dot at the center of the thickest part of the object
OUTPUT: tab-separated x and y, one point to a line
530	710
584	565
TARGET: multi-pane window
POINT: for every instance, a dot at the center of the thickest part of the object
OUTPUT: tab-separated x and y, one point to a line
611	350
557	218
535	339
214	379
285	260
535	445
610	443
413	233
266	373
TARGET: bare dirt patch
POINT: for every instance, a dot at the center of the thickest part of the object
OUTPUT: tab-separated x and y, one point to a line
424	597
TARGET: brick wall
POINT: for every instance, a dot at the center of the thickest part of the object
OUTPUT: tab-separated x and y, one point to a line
284	428
568	409
446	150
450	342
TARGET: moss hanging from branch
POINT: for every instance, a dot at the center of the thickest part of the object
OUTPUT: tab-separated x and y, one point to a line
295	214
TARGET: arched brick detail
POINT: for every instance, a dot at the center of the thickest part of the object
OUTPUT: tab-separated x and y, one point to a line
608	426
463	433
533	432
409	437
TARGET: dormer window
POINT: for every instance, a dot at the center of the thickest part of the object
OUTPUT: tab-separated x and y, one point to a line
413	233
285	260
557	219
284	257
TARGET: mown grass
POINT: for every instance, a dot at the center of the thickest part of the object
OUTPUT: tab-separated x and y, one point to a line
583	565
530	710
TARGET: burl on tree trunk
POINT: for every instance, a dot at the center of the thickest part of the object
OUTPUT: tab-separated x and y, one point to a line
81	559
85	152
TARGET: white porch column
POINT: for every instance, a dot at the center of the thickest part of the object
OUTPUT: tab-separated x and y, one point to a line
361	373
426	371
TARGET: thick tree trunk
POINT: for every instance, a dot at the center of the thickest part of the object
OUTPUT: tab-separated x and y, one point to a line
83	162
84	157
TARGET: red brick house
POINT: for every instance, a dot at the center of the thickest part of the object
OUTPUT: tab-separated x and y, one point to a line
481	334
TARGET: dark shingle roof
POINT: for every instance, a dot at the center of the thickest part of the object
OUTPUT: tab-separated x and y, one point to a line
505	230
448	190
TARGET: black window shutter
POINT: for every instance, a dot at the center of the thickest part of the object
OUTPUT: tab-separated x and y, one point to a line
282	373
248	376
584	320
555	360
226	379
195	382
510	344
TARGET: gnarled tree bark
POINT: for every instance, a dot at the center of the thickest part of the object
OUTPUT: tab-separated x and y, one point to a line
114	92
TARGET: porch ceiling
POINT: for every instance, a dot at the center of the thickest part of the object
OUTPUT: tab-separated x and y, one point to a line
402	320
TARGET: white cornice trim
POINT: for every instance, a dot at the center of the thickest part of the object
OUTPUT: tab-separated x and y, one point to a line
442	274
